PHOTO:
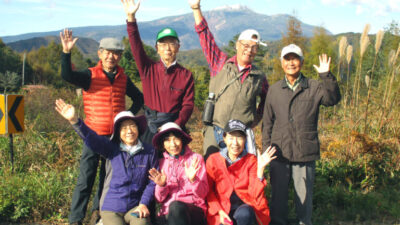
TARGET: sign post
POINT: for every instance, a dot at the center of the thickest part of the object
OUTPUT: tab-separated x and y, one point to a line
11	118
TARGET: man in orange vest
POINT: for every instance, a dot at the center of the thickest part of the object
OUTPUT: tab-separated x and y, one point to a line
104	88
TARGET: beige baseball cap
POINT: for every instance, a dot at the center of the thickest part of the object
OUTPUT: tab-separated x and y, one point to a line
111	44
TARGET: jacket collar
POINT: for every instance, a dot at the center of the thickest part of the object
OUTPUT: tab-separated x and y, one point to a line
303	82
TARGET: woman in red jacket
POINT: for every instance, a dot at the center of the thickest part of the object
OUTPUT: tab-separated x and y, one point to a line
236	194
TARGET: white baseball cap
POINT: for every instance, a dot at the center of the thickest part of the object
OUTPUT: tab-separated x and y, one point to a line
292	48
251	35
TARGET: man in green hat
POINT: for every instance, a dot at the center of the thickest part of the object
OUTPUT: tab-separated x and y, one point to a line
168	88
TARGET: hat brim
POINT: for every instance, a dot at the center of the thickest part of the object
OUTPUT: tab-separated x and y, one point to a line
160	135
241	131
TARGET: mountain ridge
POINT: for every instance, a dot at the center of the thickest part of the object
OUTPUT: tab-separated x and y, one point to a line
225	22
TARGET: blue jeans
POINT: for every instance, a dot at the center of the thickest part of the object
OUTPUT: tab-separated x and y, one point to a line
219	136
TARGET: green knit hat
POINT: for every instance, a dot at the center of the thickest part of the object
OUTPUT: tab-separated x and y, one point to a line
167	32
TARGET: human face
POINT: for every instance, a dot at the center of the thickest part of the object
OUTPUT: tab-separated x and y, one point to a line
129	132
246	51
235	142
291	65
172	144
167	48
109	59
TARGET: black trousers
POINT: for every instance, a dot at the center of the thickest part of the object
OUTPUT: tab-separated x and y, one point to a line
181	213
87	175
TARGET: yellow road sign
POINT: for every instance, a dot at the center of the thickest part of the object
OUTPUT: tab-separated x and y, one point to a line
15	113
3	129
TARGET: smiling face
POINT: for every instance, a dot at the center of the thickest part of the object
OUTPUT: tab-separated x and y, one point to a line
235	142
167	49
129	132
109	59
172	144
291	65
246	51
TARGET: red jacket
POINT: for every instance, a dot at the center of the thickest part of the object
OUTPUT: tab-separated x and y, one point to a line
103	100
240	177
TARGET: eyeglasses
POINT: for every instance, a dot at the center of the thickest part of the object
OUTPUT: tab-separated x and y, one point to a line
165	44
247	46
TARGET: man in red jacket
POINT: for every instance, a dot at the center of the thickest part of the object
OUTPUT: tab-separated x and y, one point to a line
104	89
168	88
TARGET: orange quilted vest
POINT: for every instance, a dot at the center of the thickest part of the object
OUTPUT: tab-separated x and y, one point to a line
103	101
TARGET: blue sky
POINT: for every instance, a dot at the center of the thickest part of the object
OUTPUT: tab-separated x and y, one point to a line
25	16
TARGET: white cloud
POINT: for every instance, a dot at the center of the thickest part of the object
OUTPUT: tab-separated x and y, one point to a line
359	10
373	7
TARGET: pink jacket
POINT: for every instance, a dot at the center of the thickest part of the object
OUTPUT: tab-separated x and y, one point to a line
178	186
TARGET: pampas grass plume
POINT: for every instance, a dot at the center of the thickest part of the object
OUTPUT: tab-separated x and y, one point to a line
364	45
366	30
342	46
367	80
378	41
349	53
364	40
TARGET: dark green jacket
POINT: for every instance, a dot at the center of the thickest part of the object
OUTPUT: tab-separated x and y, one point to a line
290	120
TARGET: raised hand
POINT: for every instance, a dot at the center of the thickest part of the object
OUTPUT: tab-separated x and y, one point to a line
194	4
324	62
159	178
130	8
66	110
264	159
67	41
191	170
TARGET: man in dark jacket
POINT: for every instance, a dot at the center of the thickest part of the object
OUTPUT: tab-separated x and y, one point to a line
104	89
290	124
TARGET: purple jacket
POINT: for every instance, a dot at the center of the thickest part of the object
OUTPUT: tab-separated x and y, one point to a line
126	183
178	186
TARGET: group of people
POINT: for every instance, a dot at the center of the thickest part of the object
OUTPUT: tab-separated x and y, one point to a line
146	160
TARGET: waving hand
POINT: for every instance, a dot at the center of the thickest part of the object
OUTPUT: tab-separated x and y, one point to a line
66	110
324	62
67	41
130	8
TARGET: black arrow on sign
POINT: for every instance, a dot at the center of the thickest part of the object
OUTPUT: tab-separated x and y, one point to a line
12	112
1	115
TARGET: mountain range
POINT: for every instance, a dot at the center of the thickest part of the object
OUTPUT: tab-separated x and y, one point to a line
224	22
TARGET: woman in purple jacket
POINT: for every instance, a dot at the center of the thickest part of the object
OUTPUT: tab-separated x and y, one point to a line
127	189
182	184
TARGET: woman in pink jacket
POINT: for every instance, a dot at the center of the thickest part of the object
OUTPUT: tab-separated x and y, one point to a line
182	182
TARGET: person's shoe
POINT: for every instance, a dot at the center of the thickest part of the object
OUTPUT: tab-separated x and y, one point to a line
95	217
